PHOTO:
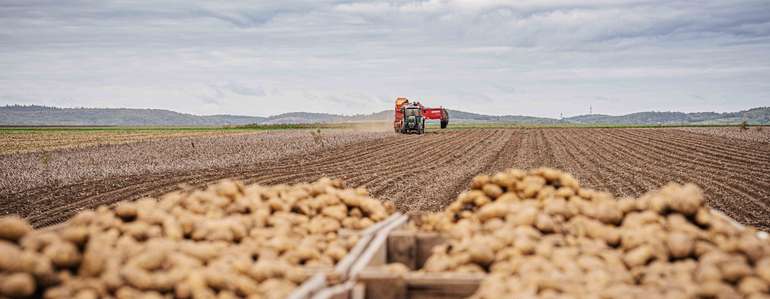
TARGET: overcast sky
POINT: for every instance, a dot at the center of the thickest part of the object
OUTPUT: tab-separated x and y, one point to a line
266	57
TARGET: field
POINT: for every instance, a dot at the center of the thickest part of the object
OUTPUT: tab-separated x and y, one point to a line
32	139
47	185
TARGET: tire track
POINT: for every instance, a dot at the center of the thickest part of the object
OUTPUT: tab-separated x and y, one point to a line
343	162
575	165
749	149
748	209
596	160
707	163
616	155
367	160
733	158
140	186
636	164
422	165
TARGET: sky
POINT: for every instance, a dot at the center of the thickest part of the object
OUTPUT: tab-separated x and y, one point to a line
519	57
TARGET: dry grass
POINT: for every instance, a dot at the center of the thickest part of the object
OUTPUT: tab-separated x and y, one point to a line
124	155
34	140
758	134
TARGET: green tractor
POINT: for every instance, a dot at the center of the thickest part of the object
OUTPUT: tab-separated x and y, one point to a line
410	116
414	122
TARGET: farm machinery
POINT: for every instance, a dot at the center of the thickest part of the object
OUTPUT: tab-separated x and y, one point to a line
410	116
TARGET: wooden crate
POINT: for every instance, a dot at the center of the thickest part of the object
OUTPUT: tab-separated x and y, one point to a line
408	247
397	244
321	281
404	245
415	285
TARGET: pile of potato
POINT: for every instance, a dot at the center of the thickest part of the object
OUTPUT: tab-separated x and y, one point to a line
542	236
228	241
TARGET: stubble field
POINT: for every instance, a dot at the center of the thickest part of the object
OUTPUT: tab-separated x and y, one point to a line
415	172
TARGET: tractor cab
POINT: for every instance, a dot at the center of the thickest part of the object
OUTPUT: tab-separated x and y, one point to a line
413	119
410	116
412	111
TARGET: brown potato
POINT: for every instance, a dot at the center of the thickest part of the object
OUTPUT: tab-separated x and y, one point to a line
17	285
679	244
13	228
552	239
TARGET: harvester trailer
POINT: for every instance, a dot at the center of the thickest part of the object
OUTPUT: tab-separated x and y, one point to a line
410	116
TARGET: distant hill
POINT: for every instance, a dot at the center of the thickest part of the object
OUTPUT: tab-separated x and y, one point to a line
42	115
303	117
460	116
759	115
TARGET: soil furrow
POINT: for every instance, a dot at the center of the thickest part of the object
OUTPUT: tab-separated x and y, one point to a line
711	165
748	208
426	172
596	162
692	143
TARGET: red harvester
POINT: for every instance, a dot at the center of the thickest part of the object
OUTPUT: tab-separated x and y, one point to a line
410	116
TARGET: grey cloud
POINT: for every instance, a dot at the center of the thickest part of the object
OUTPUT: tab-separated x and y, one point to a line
245	90
333	55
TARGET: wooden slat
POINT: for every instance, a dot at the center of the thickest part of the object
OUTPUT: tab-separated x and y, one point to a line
382	285
442	285
402	248
385	285
425	244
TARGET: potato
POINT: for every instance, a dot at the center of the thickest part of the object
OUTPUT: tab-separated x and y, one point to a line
150	248
63	254
686	199
13	228
734	270
679	244
752	285
478	182
9	258
338	212
752	247
608	212
336	252
17	285
763	269
127	211
492	190
481	253
493	210
524	216
77	235
553	238
545	223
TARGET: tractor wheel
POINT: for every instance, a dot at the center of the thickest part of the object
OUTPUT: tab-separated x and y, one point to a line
444	123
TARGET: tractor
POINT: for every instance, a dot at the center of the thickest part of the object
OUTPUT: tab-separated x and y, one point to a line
410	116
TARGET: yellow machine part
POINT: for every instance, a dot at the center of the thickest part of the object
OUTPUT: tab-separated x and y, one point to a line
401	101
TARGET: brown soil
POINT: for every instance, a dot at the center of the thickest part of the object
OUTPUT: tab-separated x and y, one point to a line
426	172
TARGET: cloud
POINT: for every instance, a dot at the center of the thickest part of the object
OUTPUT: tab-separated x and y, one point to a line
254	90
268	57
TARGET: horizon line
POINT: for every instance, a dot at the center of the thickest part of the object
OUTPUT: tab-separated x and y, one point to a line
371	113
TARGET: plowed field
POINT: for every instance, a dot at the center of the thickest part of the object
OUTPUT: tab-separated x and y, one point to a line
426	172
